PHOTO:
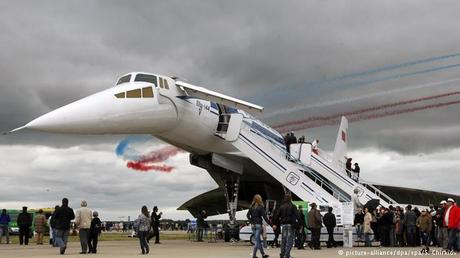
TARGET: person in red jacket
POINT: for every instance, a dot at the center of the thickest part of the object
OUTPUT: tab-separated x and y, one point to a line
451	220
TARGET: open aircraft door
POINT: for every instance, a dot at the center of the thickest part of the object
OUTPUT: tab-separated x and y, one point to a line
234	127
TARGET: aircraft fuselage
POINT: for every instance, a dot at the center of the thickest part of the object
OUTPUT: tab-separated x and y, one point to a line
142	107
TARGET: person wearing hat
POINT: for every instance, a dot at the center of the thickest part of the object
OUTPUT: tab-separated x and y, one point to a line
442	230
95	231
451	221
83	222
424	224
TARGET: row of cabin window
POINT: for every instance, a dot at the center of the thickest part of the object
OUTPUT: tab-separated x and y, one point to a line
146	92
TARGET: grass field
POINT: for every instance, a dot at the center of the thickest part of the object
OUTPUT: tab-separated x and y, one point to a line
111	236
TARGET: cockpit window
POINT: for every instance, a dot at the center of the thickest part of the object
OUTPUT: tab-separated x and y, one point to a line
146	78
146	92
124	79
120	95
134	93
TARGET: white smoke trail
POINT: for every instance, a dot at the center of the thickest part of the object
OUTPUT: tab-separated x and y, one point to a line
348	100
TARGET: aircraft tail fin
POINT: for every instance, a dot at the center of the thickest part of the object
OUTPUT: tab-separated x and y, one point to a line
340	149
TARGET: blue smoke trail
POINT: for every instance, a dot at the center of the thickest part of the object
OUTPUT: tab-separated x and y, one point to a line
284	92
381	69
124	150
354	99
278	95
402	75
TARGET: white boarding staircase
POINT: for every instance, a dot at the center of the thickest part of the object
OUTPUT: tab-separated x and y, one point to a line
312	177
336	172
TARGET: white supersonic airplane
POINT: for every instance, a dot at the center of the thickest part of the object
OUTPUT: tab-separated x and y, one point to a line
242	154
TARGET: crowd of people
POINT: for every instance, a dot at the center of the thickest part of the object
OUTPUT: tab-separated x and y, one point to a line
87	221
59	223
289	221
389	227
395	226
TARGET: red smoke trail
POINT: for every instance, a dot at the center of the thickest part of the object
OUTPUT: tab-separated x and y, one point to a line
363	117
323	120
402	111
144	163
144	167
159	155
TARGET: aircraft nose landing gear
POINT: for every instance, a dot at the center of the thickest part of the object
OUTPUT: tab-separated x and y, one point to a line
231	196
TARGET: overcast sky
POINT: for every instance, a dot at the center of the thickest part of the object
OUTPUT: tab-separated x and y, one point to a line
278	54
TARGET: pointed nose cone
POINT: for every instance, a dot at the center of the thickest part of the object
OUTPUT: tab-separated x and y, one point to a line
103	113
76	117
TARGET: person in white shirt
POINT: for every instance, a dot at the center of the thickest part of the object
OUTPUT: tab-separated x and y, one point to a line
314	146
356	202
83	219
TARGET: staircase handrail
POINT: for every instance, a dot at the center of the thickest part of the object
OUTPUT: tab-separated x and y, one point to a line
298	162
378	192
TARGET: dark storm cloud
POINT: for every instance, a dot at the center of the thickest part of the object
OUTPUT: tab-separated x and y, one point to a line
56	52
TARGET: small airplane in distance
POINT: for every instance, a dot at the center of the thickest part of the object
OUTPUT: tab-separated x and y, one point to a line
241	153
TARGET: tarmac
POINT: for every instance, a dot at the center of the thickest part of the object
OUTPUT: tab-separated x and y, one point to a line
188	249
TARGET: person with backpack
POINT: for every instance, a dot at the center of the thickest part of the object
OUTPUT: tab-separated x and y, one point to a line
94	232
288	219
255	215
